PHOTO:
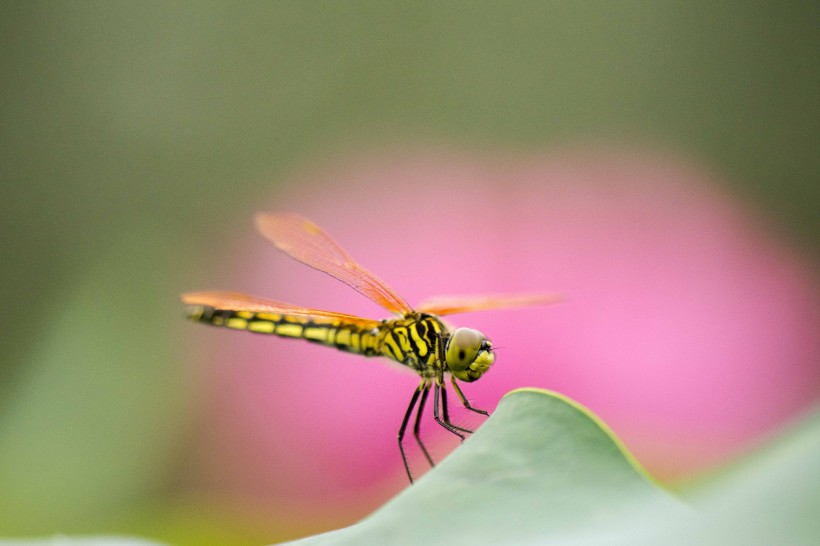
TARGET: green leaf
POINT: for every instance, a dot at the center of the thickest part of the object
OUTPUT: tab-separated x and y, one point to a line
542	468
545	470
771	496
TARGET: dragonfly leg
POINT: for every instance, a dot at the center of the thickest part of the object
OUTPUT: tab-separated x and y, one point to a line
417	424
464	398
422	387
446	412
438	388
444	405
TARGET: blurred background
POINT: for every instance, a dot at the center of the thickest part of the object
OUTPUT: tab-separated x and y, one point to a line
655	161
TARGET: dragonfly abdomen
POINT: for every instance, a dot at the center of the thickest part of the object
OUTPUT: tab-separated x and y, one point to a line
329	332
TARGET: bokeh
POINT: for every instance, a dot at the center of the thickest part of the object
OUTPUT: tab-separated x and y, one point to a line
654	162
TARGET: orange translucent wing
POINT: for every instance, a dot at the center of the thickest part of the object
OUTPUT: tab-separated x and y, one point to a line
236	301
447	305
306	242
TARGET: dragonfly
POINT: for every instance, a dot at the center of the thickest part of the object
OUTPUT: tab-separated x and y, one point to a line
417	338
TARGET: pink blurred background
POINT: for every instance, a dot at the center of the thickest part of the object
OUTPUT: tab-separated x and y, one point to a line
689	326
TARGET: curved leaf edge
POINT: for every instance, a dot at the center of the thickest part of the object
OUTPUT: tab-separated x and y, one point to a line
597	421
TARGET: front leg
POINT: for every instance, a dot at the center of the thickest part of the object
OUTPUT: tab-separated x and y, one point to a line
437	389
464	398
446	412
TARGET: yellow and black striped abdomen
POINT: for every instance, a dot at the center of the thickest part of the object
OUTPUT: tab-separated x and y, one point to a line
335	333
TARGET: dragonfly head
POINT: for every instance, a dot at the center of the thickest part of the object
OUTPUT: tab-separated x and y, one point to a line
468	354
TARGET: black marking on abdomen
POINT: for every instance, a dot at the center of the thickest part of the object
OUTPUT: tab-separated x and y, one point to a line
338	335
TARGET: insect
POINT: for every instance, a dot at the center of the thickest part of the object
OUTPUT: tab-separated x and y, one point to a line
416	337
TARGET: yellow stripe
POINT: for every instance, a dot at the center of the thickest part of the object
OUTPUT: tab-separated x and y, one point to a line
401	339
395	352
315	334
289	330
343	337
269	316
421	346
238	323
261	326
355	341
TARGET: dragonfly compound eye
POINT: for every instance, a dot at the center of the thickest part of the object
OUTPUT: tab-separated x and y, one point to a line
468	354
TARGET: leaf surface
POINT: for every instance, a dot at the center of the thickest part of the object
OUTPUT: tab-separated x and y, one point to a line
542	468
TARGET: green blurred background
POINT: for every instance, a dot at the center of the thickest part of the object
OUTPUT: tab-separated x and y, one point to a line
135	134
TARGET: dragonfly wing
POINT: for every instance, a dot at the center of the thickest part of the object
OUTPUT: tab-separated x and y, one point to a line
449	305
236	301
306	242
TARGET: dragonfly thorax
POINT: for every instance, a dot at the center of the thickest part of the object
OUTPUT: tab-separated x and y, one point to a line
468	354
